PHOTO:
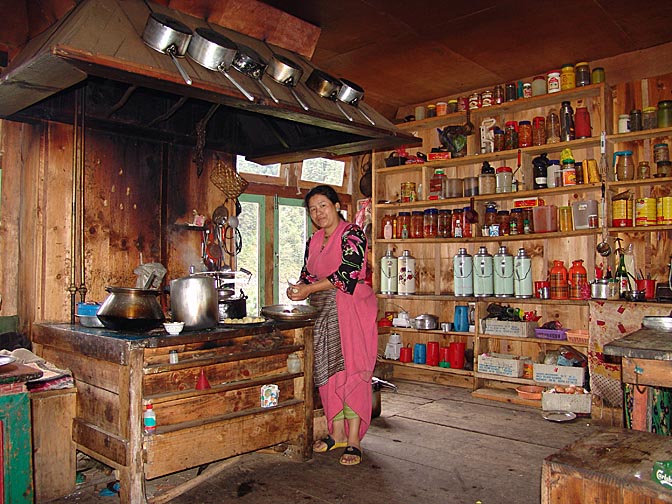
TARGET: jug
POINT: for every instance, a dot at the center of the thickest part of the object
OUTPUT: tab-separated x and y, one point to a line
406	273
461	319
483	282
625	169
503	273
419	353
462	269
388	273
522	266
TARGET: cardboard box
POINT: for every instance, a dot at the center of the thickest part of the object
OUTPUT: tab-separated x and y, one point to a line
528	202
501	364
576	403
558	375
508	328
433	156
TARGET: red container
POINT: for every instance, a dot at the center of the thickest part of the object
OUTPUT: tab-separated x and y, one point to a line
456	355
559	281
432	353
405	354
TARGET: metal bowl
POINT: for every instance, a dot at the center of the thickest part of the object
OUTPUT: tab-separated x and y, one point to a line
289	312
658	323
426	322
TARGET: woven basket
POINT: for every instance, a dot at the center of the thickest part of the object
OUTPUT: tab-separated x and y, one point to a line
226	179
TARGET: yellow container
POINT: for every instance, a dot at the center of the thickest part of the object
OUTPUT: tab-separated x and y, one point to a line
567	77
664	210
565	213
621	213
645	212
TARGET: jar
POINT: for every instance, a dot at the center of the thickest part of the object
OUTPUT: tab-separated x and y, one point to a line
524	134
444	223
487	183
664	168
475	101
567	77
470	222
624	165
553	81
430	223
408	192
582	74
386	227
567	130
417	224
552	127
504	222
635	120
462	104
486	99
580	177
431	110
498	95
538	131
516	221
490	217
510	93
643	170
624	123
527	90
403	225
559	281
568	172
452	106
470	186
293	363
499	141
458	223
528	221
665	114
539	85
649	118
504	179
510	135
441	108
565	219
597	75
661	152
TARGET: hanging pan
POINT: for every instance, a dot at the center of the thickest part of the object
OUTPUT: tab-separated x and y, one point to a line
352	94
248	62
327	87
287	73
168	36
216	52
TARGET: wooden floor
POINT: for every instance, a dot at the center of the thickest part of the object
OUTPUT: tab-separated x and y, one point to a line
431	444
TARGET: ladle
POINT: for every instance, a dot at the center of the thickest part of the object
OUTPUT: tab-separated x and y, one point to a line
603	248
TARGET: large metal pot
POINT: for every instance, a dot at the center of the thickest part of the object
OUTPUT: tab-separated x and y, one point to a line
352	94
168	36
216	52
193	300
288	73
131	309
248	62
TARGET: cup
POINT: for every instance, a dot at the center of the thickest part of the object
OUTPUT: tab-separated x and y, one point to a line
432	353
405	354
461	320
446	326
456	355
649	288
420	353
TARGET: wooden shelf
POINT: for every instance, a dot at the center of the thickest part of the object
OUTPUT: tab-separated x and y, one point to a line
488	299
638	136
625	184
532	340
436	332
453	119
505	379
506	238
424	367
640	229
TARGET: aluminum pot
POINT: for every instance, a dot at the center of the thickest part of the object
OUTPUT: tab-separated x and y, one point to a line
248	62
323	84
288	73
168	36
131	309
193	300
352	94
426	322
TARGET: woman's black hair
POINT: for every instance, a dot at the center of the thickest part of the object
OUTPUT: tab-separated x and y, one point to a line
325	190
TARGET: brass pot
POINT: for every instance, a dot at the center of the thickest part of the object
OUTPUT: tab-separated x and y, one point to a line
131	309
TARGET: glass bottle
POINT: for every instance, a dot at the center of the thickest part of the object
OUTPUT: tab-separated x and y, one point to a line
444	223
552	127
582	74
511	135
403	224
538	131
539	171
566	122
504	222
643	170
524	134
417	223
458	222
621	275
499	139
430	223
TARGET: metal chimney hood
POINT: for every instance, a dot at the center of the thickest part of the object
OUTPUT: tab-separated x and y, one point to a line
101	41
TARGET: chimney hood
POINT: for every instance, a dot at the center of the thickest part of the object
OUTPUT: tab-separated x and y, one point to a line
99	44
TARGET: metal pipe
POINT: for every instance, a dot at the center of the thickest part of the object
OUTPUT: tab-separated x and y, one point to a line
82	162
73	210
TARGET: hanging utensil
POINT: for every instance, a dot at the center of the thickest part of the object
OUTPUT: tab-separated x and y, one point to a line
220	215
327	87
168	36
248	62
352	94
216	52
288	73
603	248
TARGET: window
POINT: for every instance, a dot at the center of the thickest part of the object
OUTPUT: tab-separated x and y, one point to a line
323	171
291	223
251	225
245	166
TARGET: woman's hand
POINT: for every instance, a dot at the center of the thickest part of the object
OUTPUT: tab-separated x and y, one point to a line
298	292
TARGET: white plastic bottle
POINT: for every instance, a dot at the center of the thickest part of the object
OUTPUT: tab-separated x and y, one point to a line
149	419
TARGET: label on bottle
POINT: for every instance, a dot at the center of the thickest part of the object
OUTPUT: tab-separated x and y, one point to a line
149	420
540	181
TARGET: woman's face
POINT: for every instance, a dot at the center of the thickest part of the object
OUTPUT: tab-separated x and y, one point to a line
323	212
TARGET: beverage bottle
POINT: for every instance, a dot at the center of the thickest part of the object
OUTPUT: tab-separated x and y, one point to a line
621	276
149	419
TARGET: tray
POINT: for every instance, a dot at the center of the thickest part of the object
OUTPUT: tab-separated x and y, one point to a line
559	416
289	312
658	323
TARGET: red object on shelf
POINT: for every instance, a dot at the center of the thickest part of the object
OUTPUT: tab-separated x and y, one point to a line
202	383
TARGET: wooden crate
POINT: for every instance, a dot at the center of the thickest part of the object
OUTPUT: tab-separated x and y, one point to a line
613	466
54	454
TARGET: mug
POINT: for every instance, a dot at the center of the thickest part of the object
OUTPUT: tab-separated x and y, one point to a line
405	354
420	353
649	288
461	320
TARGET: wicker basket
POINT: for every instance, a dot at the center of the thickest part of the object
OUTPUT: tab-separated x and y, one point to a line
226	179
578	336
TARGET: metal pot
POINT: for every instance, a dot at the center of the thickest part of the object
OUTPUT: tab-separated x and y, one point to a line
352	94
599	289
426	322
248	62
288	73
233	308
168	36
327	87
216	52
131	309
193	300
376	404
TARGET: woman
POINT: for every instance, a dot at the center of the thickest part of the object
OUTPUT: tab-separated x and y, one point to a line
346	339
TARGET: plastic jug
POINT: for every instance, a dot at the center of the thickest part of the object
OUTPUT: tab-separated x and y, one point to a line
625	167
461	320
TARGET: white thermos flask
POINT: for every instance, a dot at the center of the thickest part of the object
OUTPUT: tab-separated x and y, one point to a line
388	273
503	269
462	273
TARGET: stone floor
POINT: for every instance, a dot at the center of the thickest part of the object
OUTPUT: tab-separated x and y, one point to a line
431	444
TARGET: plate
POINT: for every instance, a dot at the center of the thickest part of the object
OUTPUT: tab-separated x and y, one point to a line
289	312
6	359
559	416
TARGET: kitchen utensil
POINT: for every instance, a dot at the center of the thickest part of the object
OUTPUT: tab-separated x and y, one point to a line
233	308
6	359
603	248
426	322
169	36
220	215
288	73
352	94
419	353
376	386
559	416
327	87
131	309
532	392
461	319
289	312
216	52
635	295
657	323
193	300
248	62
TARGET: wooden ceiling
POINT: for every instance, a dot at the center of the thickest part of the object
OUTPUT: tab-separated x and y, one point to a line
404	52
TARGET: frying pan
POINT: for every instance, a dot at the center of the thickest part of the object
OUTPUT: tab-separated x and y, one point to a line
216	52
287	73
352	94
248	62
168	36
327	87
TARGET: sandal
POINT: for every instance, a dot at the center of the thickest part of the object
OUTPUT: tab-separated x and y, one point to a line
329	444
351	451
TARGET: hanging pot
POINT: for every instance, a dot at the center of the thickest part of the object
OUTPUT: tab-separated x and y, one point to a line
288	73
216	52
327	87
131	309
248	62
168	36
352	94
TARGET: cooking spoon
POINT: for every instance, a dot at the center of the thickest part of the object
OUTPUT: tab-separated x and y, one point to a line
603	248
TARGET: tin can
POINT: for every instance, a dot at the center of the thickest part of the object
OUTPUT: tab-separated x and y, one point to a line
486	99
441	108
462	104
645	212
475	101
527	90
407	192
498	95
621	213
664	210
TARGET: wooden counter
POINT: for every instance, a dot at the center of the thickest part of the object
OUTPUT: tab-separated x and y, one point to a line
116	374
647	357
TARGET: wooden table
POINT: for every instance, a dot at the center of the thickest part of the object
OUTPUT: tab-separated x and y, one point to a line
611	467
117	374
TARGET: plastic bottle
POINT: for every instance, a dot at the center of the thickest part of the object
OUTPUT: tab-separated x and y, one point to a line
149	419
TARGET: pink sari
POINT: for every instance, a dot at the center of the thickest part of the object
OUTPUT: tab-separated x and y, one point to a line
357	321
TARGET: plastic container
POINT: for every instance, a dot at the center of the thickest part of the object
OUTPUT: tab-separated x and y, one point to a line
661	152
582	71
539	85
553	81
470	186
403	225
565	218
149	420
437	185
665	114
625	169
454	188
545	218
551	170
431	223
581	212
567	77
524	134
504	179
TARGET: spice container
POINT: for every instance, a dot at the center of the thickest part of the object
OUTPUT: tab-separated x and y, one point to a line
635	120
568	172
504	179
452	106
504	222
524	134
665	114
624	123
444	223
417	224
582	74
552	127
510	93
649	118
527	90
454	188
430	223
511	135
528	221
499	139
661	152
431	110
403	225
567	77
539	85
553	81
538	131
407	192
498	95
